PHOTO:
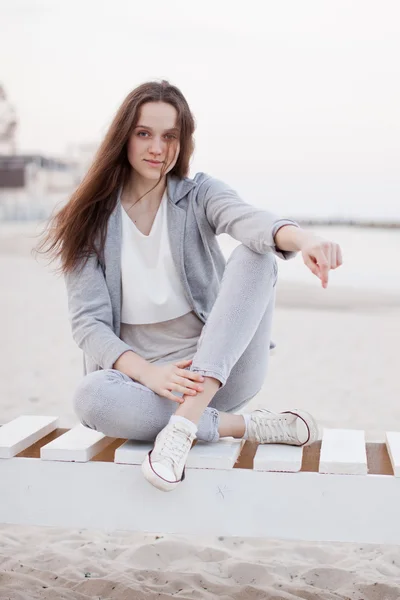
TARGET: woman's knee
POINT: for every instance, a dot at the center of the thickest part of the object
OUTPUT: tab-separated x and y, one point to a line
89	396
264	265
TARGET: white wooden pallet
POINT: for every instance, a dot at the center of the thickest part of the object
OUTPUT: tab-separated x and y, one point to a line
340	490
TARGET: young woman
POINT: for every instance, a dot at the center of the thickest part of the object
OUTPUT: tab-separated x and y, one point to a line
175	339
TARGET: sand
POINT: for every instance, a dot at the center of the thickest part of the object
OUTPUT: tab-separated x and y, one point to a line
336	356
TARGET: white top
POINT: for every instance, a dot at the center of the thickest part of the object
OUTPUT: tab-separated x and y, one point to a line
151	289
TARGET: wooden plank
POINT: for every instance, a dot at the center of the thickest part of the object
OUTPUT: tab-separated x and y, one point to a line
311	455
343	451
393	447
79	444
221	455
34	450
232	502
246	457
278	457
22	432
378	459
108	454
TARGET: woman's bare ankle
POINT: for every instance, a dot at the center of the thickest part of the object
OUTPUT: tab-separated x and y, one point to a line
231	425
193	406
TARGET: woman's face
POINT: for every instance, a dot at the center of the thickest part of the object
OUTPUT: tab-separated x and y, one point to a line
155	130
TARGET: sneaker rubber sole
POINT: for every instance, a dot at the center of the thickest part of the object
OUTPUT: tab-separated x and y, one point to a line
155	479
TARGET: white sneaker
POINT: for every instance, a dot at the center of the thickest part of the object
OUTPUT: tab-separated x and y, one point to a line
164	466
296	428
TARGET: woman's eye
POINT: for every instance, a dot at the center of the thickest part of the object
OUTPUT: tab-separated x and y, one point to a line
169	136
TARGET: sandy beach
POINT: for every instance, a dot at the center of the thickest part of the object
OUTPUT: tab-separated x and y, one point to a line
336	356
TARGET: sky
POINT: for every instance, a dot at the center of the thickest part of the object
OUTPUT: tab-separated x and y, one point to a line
296	101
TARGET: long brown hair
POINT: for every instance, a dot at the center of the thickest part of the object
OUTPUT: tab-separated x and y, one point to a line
79	229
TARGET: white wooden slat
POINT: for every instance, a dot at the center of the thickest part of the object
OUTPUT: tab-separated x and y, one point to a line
221	455
278	457
22	432
393	447
343	451
79	444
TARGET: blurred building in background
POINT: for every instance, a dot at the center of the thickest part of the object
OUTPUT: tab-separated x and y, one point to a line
32	185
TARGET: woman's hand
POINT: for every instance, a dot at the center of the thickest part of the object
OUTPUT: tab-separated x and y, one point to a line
320	256
163	379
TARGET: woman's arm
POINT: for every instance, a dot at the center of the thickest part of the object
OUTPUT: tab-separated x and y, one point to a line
289	238
90	314
254	227
131	364
263	231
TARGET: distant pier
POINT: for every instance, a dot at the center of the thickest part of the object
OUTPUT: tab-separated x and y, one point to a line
367	224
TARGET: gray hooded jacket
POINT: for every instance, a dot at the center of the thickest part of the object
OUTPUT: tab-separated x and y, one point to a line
198	210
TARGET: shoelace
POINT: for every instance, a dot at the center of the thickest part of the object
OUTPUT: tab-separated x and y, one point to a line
276	429
174	449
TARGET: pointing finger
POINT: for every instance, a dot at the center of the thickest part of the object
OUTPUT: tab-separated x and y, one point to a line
324	267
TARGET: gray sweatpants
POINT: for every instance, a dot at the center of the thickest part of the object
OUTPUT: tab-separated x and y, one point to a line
233	348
